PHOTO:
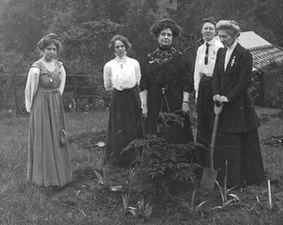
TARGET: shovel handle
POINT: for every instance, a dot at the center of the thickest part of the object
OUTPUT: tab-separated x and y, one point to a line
218	107
217	110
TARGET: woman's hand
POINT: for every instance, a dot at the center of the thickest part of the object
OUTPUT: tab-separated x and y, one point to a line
223	99
185	108
216	98
144	112
143	97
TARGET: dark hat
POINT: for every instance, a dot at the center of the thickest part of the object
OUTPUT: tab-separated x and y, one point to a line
210	20
160	25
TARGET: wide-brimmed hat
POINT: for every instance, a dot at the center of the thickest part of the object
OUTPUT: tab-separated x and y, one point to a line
160	25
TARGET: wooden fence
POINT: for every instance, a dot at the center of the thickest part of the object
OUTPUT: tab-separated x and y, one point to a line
80	92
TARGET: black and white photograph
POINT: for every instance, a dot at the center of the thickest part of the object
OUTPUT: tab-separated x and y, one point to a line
141	112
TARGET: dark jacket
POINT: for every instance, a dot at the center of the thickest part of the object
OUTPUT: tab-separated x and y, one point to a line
238	114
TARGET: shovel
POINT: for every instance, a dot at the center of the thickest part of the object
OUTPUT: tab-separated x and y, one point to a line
209	174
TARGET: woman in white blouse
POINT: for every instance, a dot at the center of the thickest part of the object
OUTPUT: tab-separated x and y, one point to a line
48	156
122	77
204	66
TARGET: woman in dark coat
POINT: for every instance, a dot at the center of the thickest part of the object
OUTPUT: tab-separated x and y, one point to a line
166	83
237	140
121	77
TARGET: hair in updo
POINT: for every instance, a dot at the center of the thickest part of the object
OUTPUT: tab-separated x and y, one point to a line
121	38
49	39
163	24
230	26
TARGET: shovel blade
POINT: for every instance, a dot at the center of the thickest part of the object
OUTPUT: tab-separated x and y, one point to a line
208	178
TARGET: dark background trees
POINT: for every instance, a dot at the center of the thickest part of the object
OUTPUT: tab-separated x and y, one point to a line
86	26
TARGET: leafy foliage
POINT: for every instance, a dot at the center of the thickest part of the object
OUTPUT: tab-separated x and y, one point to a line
86	27
273	86
160	164
83	49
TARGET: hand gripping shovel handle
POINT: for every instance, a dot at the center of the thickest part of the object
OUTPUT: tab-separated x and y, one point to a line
217	110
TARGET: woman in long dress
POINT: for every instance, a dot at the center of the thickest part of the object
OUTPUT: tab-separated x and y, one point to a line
166	83
48	156
122	77
237	141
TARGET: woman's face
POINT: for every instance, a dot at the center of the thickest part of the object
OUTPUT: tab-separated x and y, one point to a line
208	31
226	38
120	48
50	52
165	38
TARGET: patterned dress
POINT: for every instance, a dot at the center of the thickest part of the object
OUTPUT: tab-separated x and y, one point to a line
48	160
166	76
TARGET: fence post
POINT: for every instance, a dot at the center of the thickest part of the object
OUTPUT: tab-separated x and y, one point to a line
92	93
15	95
76	93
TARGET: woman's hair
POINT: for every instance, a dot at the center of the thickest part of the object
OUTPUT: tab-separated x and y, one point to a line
160	25
49	39
119	37
230	26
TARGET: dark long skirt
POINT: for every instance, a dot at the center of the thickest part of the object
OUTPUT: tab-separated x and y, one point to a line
204	114
243	155
156	104
124	125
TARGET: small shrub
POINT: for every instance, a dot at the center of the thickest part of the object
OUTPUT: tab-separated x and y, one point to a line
160	165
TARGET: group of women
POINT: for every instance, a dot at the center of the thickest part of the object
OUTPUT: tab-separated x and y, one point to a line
163	83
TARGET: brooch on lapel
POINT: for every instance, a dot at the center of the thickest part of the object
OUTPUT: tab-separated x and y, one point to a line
233	61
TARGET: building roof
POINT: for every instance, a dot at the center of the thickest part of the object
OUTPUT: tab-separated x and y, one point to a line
264	53
249	40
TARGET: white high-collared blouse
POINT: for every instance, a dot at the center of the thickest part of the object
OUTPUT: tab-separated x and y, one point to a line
121	75
200	67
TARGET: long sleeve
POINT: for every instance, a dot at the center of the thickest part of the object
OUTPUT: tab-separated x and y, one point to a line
244	74
144	83
138	73
107	77
197	73
216	77
63	79
187	80
31	87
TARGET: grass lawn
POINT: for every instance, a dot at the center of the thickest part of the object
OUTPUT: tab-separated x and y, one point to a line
86	201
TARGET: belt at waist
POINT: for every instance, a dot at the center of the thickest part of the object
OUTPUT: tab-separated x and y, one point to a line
49	90
205	77
126	90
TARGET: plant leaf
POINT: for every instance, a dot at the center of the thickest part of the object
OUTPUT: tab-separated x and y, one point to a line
235	197
148	211
132	210
99	177
221	191
199	206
